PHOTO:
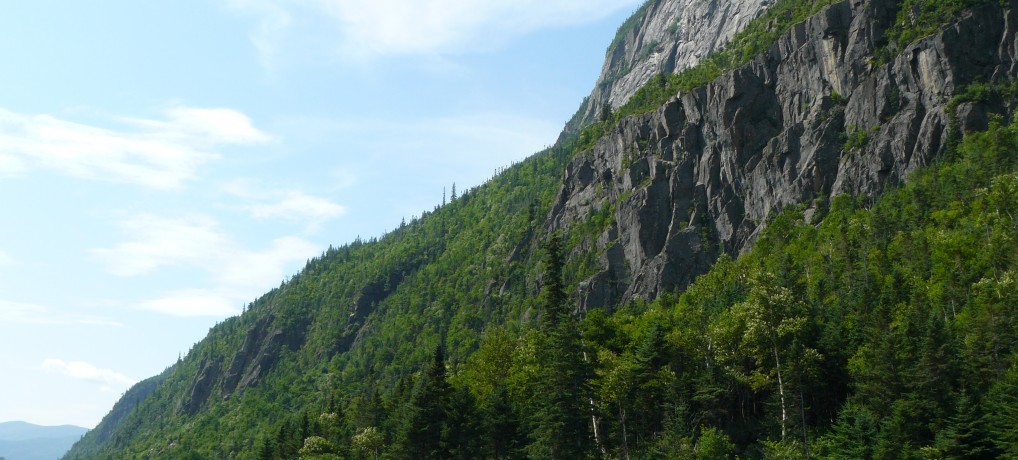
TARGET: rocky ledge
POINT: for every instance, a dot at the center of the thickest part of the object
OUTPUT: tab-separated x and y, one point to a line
816	116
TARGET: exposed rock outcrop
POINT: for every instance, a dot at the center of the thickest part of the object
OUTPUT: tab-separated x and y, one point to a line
261	349
666	36
813	117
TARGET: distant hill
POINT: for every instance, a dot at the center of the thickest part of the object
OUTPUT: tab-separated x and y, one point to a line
25	441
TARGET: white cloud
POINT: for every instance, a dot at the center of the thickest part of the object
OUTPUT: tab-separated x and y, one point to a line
80	370
23	313
161	154
11	165
284	204
157	241
196	242
295	205
423	27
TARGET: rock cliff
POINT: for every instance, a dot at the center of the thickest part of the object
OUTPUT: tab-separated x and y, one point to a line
665	36
815	116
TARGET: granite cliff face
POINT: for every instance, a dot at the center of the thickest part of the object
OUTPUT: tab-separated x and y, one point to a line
814	117
666	36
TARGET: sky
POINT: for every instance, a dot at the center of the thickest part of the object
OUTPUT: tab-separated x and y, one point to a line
163	163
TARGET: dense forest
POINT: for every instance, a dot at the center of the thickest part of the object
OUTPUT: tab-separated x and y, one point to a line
884	329
857	327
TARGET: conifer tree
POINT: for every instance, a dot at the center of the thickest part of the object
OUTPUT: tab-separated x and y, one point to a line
966	435
461	433
1002	412
553	293
561	421
502	425
420	436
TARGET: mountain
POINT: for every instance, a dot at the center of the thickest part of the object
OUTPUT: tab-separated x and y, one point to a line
810	118
796	242
25	441
664	36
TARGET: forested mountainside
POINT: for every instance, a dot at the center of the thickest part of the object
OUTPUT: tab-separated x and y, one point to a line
553	312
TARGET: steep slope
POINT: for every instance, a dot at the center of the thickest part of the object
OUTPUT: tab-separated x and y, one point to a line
644	207
815	116
665	36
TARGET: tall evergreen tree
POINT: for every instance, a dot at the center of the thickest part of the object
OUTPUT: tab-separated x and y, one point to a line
1002	411
562	419
502	426
420	436
553	293
462	431
966	435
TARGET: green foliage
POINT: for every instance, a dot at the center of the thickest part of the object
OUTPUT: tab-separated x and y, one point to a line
424	419
560	405
886	330
714	444
554	309
369	442
919	18
628	25
1002	412
856	139
318	448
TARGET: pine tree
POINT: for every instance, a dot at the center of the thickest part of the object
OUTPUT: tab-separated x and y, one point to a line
461	433
502	427
1002	411
561	421
852	435
420	436
966	436
553	294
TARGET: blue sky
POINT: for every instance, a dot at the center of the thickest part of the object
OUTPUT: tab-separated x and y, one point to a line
163	163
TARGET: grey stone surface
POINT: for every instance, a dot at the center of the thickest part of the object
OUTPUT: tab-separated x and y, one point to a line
702	174
671	36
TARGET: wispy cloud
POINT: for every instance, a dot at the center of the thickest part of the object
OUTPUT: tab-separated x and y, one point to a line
369	28
24	313
160	154
298	205
197	242
292	205
80	370
156	242
273	20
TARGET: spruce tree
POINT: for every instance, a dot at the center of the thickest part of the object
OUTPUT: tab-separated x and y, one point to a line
420	436
502	426
966	435
562	417
553	294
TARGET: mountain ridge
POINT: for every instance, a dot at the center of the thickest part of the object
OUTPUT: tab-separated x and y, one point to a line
664	36
27	441
698	177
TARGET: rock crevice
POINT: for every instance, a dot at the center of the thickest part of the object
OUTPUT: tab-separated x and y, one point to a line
811	118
